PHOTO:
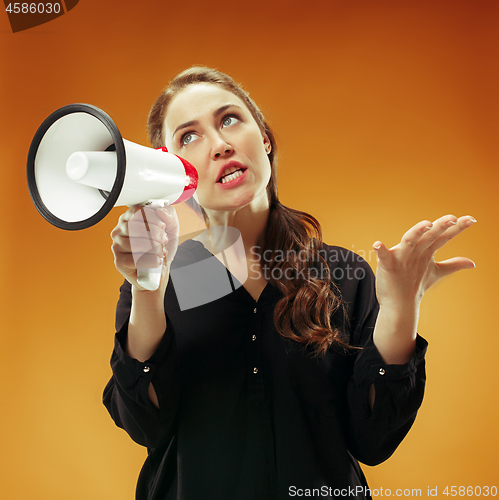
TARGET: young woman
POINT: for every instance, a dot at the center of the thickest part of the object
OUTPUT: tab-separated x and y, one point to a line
278	387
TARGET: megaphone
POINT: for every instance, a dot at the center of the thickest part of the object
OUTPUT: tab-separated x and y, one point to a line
79	168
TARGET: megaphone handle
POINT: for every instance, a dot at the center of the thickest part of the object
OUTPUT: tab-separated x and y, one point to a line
150	278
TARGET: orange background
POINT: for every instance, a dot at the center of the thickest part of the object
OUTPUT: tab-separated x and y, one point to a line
386	113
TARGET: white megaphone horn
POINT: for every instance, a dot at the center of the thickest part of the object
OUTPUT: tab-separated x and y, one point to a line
79	168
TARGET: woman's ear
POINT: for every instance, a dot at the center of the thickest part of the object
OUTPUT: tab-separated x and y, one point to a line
267	144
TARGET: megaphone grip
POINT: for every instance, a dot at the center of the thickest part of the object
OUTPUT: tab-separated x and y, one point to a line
149	278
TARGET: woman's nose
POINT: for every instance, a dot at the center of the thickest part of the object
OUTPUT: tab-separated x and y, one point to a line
221	148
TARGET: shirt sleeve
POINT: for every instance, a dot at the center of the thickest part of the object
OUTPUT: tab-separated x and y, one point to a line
376	433
126	394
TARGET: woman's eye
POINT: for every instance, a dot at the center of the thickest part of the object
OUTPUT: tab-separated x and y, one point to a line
229	120
188	138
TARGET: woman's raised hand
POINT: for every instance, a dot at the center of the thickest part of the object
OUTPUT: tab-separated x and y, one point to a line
408	269
145	238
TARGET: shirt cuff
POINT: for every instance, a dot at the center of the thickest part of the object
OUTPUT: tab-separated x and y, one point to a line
370	367
133	376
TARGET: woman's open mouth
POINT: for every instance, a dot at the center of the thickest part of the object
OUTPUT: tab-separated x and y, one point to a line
231	174
230	177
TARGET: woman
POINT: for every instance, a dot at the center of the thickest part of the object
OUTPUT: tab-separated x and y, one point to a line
279	387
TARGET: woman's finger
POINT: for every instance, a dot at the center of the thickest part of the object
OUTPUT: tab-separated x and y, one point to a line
409	241
147	261
439	227
125	261
132	262
171	249
138	229
384	255
139	246
148	217
168	215
121	244
452	231
453	265
412	237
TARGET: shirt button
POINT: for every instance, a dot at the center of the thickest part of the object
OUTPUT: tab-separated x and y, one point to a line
255	370
146	369
254	310
382	371
253	337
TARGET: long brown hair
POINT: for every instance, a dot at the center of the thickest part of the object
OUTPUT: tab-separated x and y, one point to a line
292	238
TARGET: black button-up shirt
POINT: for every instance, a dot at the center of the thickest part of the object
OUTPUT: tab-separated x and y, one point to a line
245	414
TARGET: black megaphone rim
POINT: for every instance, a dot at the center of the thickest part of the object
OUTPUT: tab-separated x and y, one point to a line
113	195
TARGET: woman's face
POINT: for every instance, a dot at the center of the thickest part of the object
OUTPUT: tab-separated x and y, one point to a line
214	131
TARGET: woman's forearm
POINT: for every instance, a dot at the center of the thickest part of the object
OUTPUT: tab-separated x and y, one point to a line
395	332
147	323
146	327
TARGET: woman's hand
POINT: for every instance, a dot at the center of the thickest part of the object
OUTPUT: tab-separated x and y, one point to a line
404	273
145	238
408	269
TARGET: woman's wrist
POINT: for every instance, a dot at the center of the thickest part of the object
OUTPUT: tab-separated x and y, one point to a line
400	302
150	299
396	331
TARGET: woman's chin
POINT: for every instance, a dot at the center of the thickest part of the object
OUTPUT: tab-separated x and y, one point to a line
237	200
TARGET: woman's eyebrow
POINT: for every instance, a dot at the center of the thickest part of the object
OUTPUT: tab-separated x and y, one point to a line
221	109
185	125
217	112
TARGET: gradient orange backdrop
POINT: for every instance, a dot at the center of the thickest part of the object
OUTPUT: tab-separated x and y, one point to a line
386	113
